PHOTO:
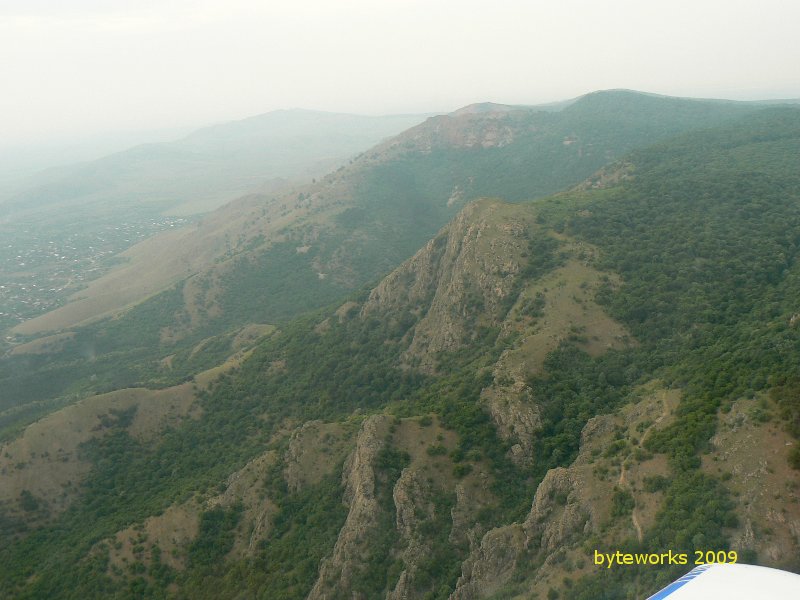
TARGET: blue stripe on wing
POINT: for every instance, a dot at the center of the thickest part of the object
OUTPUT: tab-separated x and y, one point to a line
679	583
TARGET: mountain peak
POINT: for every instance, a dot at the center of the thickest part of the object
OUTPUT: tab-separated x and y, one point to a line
485	107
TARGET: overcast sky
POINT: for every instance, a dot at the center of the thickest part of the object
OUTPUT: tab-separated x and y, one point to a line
80	67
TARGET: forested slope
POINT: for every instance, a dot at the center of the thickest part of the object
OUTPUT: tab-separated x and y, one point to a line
538	381
268	259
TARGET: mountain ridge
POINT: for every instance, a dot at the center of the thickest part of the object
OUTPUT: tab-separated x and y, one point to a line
601	369
398	172
307	143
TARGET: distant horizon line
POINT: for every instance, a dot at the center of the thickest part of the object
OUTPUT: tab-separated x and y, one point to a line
111	141
66	140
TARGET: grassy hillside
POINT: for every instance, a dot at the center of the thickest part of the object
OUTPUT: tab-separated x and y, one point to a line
267	259
209	167
454	455
66	227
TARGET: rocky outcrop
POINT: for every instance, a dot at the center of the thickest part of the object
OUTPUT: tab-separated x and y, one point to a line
467	530
516	417
459	281
414	506
358	478
475	126
298	445
410	288
315	450
491	564
560	514
246	486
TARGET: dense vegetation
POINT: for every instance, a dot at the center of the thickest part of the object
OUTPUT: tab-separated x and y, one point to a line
397	205
708	251
705	238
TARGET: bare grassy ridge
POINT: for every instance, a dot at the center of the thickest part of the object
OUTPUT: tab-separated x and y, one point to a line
749	452
46	460
404	183
536	382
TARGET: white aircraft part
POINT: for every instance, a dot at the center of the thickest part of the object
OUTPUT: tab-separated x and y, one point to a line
732	582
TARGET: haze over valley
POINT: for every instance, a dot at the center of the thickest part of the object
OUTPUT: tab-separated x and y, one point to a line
65	227
516	289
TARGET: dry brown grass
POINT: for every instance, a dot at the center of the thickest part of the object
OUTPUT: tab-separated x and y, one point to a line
751	455
44	459
44	345
171	531
569	313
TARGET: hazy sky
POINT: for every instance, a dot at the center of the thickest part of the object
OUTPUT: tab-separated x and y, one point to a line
79	67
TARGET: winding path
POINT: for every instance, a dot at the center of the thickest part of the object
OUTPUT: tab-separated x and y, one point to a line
623	482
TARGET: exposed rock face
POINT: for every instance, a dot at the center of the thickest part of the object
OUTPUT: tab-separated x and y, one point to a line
413	504
315	450
337	571
573	503
474	126
560	512
516	417
246	486
491	564
411	287
460	280
467	530
298	444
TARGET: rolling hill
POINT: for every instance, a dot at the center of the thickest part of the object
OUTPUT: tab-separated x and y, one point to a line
266	259
208	167
66	227
357	223
611	367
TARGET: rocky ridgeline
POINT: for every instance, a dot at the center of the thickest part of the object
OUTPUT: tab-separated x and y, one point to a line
336	573
460	280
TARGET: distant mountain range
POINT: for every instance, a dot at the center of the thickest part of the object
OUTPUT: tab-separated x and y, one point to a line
362	220
209	167
492	347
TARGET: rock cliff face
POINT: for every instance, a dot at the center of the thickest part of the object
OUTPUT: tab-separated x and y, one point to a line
471	278
560	514
563	511
473	126
461	280
516	417
245	486
429	512
413	506
491	564
315	450
571	504
337	572
560	511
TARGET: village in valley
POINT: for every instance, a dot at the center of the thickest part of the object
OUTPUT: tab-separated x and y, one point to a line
41	264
